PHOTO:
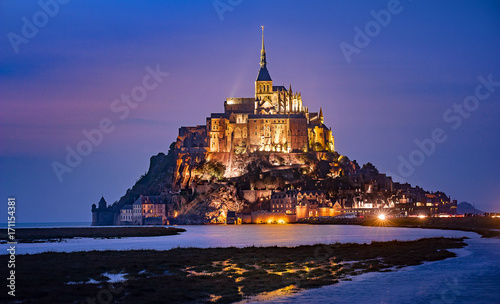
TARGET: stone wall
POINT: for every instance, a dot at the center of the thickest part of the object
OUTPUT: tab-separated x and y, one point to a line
264	217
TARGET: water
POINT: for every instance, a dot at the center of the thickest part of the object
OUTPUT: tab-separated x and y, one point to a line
242	236
49	225
472	277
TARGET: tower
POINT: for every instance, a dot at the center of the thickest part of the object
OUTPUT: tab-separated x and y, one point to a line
264	83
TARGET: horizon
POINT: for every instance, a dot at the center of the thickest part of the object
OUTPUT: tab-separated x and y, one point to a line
380	99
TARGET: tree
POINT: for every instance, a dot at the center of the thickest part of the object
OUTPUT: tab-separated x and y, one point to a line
215	169
210	170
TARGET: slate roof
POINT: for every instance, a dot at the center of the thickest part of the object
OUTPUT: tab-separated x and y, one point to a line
149	200
263	74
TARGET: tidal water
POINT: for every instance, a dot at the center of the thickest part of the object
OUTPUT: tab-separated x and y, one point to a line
472	277
49	225
244	236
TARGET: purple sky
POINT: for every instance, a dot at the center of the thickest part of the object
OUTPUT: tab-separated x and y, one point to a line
394	91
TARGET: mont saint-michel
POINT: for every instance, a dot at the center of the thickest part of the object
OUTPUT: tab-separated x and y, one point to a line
181	152
265	159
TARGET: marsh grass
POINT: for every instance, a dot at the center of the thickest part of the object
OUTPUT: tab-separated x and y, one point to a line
220	275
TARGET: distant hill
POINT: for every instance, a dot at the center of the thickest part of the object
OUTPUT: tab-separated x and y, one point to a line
465	207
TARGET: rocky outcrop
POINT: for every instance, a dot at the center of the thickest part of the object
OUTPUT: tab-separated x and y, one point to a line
209	201
155	181
211	207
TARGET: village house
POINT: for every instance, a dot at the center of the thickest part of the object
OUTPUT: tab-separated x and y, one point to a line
149	210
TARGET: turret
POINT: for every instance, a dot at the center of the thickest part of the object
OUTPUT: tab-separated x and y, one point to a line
102	203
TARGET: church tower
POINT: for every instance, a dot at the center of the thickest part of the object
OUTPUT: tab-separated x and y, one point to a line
264	83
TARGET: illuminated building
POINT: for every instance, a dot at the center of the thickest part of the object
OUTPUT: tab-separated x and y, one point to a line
274	119
149	210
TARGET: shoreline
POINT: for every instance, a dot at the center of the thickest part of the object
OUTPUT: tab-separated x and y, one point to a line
49	235
220	275
484	226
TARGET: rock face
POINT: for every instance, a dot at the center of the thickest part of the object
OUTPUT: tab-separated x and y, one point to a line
211	207
156	181
188	178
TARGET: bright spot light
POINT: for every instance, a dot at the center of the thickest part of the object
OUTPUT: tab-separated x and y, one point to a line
270	221
281	222
422	216
381	216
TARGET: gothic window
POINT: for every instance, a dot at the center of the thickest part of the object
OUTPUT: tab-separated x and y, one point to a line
237	133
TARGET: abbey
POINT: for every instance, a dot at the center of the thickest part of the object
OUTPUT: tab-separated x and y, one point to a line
275	119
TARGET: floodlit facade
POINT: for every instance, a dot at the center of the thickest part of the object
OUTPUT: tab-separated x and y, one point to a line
274	119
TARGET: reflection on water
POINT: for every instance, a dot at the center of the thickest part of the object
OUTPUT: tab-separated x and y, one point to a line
246	235
472	277
265	296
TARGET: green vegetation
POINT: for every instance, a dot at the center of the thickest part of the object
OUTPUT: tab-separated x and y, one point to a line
221	275
211	170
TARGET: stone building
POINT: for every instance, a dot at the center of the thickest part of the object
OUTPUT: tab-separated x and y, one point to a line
126	215
149	210
284	201
304	203
102	215
274	119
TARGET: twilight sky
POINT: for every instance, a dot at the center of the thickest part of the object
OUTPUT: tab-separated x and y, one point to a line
433	68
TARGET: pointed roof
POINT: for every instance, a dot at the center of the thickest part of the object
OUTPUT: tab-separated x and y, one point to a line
263	75
102	203
263	72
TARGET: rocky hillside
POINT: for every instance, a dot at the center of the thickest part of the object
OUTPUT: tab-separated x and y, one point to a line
155	181
212	182
210	207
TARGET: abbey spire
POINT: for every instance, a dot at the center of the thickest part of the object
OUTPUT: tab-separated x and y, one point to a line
263	51
263	72
264	83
